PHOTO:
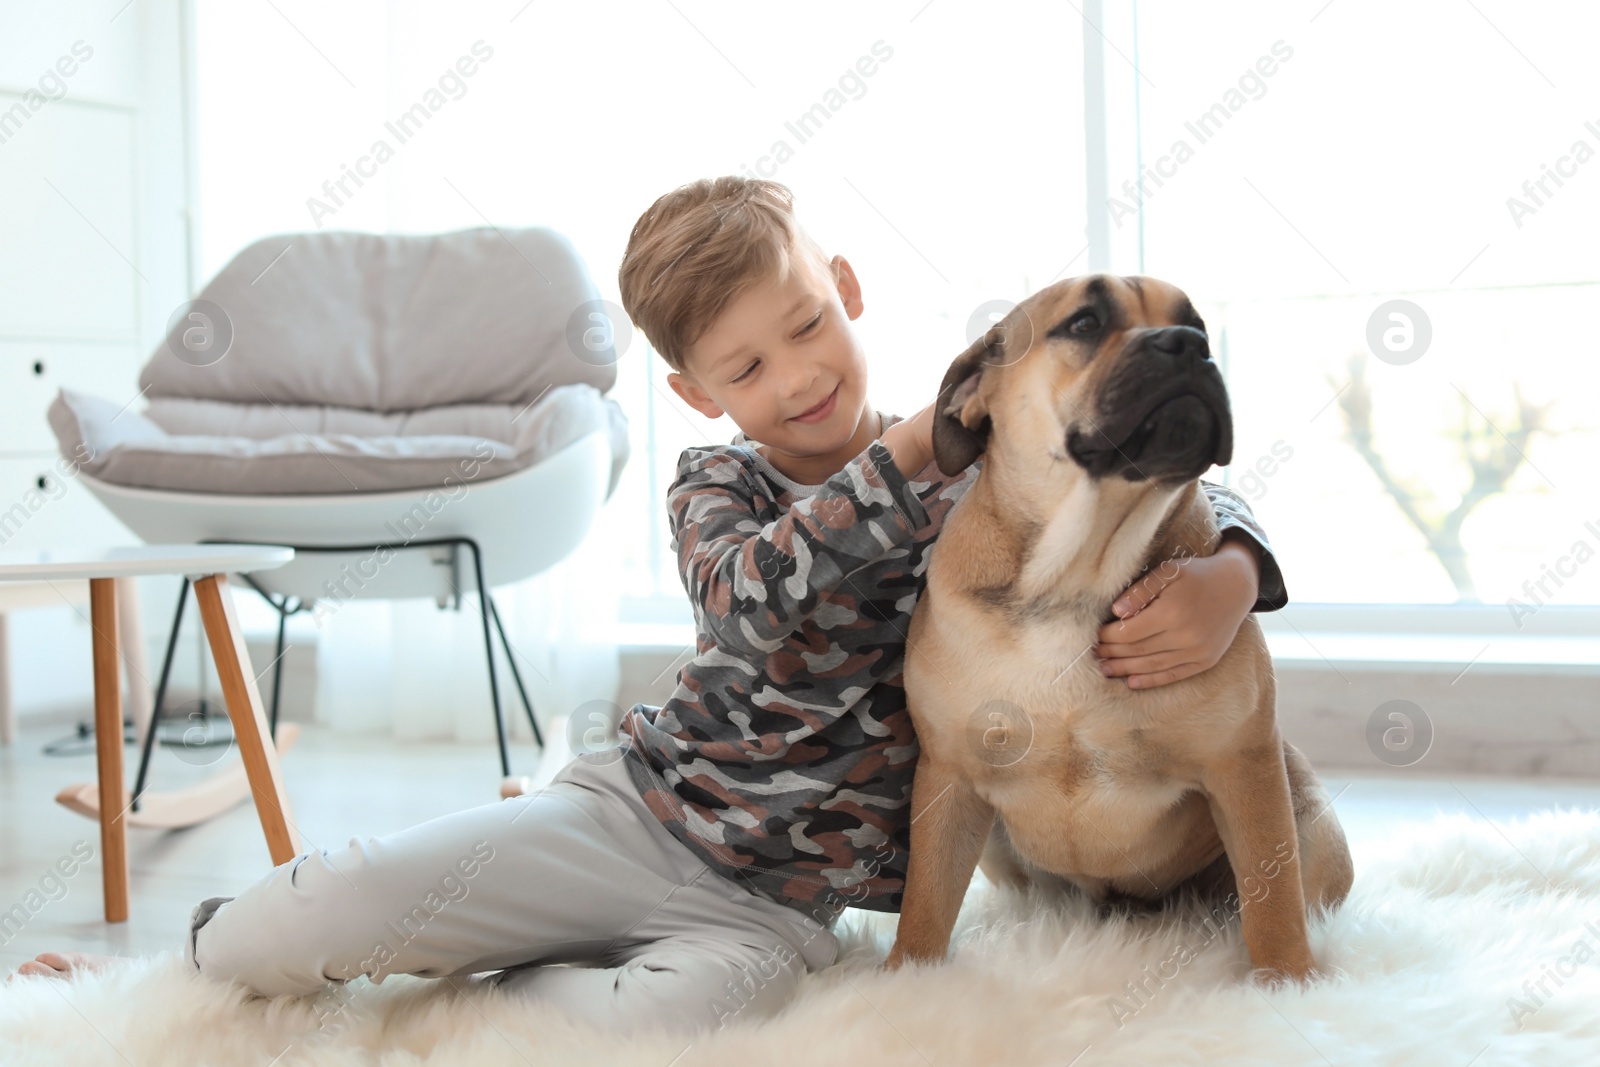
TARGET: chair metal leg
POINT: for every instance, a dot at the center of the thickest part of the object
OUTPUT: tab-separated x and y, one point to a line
484	610
161	696
511	658
277	669
130	642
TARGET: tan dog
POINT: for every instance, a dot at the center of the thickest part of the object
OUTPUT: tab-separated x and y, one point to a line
1096	407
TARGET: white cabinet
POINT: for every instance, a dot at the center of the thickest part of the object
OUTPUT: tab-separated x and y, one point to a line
42	505
69	279
69	264
94	244
32	371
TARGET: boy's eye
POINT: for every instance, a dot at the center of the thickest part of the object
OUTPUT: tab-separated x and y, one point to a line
804	329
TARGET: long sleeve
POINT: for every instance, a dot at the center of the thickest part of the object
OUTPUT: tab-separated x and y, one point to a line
1233	512
752	585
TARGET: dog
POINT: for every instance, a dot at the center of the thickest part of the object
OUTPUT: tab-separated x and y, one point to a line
1096	407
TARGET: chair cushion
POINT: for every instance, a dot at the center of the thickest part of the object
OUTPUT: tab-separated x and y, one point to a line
396	322
209	446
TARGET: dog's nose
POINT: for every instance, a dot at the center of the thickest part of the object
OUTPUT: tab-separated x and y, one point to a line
1179	341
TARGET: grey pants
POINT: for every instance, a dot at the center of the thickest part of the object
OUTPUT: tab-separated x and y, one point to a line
578	873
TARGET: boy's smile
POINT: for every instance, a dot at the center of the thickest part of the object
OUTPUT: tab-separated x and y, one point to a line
782	361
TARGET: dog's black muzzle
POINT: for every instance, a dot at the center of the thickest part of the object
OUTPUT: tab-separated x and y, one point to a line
1161	416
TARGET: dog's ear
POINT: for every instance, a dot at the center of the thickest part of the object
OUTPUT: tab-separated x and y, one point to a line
961	416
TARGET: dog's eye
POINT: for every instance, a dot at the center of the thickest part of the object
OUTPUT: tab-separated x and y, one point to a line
1084	322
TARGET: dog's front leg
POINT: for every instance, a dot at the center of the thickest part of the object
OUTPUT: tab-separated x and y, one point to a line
949	825
1251	806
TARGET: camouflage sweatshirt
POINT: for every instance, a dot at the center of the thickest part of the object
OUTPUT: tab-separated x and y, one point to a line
784	757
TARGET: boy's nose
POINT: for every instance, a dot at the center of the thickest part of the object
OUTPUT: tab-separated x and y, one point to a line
805	388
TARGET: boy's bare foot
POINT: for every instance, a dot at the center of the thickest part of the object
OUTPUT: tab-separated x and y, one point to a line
64	964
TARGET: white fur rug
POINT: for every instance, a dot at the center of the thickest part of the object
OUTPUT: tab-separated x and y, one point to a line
1458	946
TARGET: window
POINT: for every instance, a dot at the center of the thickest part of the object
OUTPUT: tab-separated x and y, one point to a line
1339	158
1387	215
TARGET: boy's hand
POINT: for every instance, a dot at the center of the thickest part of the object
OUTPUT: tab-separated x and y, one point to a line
1180	617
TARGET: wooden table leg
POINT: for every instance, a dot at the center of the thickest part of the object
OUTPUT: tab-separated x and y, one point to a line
108	745
250	729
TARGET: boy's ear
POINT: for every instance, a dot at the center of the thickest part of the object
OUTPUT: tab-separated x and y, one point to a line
961	415
693	395
849	288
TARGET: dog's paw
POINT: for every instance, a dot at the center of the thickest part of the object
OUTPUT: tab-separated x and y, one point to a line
1279	976
900	956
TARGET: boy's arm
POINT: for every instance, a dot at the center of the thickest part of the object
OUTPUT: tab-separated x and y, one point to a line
752	584
1238	523
1169	628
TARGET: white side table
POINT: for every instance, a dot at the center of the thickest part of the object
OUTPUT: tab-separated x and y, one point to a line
208	566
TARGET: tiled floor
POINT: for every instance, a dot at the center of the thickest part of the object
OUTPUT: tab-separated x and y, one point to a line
342	786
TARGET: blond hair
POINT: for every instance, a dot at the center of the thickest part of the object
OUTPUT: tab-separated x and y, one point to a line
701	246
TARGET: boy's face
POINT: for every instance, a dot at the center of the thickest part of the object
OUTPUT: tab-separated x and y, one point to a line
777	351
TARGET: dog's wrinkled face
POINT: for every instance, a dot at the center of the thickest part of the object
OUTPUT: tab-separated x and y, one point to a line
1113	375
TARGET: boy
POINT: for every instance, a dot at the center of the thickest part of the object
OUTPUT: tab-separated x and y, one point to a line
694	872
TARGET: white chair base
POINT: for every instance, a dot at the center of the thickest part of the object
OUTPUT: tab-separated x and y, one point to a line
511	518
437	543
